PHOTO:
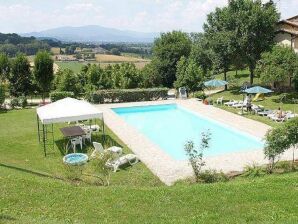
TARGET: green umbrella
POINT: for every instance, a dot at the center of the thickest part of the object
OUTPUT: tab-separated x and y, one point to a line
215	83
257	89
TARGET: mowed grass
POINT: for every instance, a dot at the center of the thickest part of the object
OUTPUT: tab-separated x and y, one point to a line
75	66
135	195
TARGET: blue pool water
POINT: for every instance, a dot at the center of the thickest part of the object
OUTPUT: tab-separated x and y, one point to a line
171	126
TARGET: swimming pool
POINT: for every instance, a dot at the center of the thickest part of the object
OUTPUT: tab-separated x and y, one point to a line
170	126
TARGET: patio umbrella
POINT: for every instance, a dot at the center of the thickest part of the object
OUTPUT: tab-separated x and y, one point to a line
257	89
215	83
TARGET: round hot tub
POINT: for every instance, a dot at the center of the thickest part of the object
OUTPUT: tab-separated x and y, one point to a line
75	159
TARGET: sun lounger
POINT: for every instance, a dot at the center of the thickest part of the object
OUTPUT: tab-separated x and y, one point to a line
265	112
240	104
130	159
231	103
98	149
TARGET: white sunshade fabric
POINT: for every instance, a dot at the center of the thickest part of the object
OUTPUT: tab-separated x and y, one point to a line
67	110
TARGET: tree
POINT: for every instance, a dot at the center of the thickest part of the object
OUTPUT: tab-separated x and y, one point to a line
278	65
68	81
43	72
201	52
20	78
97	78
245	28
150	77
189	75
125	76
292	134
167	51
115	51
254	24
4	67
276	143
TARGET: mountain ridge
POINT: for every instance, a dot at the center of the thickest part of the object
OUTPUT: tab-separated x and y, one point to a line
93	33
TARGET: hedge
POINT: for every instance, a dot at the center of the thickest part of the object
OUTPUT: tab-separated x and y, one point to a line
54	96
127	95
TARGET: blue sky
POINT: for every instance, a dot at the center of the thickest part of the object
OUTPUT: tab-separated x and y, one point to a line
140	15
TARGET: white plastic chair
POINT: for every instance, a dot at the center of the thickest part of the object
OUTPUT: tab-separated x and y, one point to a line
76	141
219	100
87	136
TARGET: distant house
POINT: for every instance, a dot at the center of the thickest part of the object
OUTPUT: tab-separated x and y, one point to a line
287	32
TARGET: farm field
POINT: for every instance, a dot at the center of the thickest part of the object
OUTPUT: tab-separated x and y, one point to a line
115	58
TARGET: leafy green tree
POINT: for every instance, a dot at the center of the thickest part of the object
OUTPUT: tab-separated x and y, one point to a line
150	77
43	72
68	81
97	78
20	78
126	76
255	24
246	28
115	51
278	65
167	51
189	75
201	52
277	142
4	67
292	134
2	94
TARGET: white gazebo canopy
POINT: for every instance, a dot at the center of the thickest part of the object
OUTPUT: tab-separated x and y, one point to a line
67	110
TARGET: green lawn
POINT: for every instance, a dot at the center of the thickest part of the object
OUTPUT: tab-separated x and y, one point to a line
30	194
72	65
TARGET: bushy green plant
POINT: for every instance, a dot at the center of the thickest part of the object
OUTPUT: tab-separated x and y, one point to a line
195	155
200	95
99	165
58	95
211	176
127	95
254	171
14	102
73	173
276	143
2	95
22	101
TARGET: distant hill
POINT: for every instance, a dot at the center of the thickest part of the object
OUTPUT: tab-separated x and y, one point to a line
13	43
93	34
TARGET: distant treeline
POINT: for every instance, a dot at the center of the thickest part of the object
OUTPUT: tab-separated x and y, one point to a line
11	44
135	48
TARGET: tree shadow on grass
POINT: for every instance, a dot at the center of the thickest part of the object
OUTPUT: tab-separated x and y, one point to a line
7	218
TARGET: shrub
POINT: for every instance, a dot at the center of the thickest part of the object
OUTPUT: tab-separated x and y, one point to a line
277	142
200	95
14	102
2	95
195	156
127	95
54	96
253	171
22	101
211	176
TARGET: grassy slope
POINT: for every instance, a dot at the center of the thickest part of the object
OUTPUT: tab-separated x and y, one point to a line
271	101
135	196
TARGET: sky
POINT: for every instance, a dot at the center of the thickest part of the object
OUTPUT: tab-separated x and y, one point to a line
22	16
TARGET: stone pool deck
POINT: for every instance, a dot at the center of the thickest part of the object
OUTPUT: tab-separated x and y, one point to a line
170	170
